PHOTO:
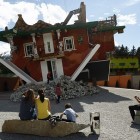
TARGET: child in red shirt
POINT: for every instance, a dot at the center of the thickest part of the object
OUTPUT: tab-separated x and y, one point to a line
58	92
48	77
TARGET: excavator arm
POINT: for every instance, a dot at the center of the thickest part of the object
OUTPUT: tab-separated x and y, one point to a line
81	17
71	13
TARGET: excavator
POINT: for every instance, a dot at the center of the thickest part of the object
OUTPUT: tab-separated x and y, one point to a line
81	17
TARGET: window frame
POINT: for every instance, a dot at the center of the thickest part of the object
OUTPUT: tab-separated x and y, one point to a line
25	49
72	43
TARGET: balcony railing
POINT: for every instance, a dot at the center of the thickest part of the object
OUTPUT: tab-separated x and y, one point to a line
49	57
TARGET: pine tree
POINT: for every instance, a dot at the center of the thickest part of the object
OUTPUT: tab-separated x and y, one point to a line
133	51
116	51
138	52
126	50
122	51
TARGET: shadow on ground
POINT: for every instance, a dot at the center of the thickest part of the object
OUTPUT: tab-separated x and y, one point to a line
76	136
136	126
103	96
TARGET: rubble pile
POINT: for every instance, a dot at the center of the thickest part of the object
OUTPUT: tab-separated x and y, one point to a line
70	89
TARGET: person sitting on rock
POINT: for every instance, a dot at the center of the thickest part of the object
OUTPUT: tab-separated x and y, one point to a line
27	106
42	106
134	108
70	114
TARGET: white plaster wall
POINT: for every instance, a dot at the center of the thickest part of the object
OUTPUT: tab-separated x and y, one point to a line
59	67
44	70
135	81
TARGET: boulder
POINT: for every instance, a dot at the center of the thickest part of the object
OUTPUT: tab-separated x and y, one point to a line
41	128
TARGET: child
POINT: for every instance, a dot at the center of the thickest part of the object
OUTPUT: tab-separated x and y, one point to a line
70	114
49	77
58	92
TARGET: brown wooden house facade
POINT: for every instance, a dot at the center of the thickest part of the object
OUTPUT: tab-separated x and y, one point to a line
60	48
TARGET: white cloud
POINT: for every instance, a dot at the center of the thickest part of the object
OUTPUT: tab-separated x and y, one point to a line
4	48
9	12
132	2
92	16
31	13
116	11
52	13
106	14
116	43
126	19
101	18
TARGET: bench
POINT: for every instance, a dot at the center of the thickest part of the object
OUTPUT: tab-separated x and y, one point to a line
41	128
137	117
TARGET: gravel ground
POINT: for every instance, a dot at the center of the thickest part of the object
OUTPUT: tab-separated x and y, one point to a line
112	103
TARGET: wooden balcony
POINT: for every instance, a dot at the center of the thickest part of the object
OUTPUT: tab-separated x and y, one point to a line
50	56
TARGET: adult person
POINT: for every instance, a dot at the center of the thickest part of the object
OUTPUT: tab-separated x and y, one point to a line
134	108
27	106
42	106
70	114
58	92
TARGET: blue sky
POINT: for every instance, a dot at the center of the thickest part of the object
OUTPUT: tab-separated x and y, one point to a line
55	11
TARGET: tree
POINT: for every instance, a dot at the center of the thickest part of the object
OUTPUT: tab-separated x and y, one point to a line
3	69
133	51
117	51
122	51
126	51
138	52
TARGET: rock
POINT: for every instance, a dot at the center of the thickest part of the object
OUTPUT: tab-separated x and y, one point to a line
41	128
70	89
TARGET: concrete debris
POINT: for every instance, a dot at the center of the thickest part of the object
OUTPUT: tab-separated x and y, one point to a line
70	89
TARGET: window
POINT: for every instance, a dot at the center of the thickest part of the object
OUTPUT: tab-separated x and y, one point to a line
122	64
49	46
132	63
29	49
48	43
69	43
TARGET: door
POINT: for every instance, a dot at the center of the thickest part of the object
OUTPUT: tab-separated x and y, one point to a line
51	64
55	66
